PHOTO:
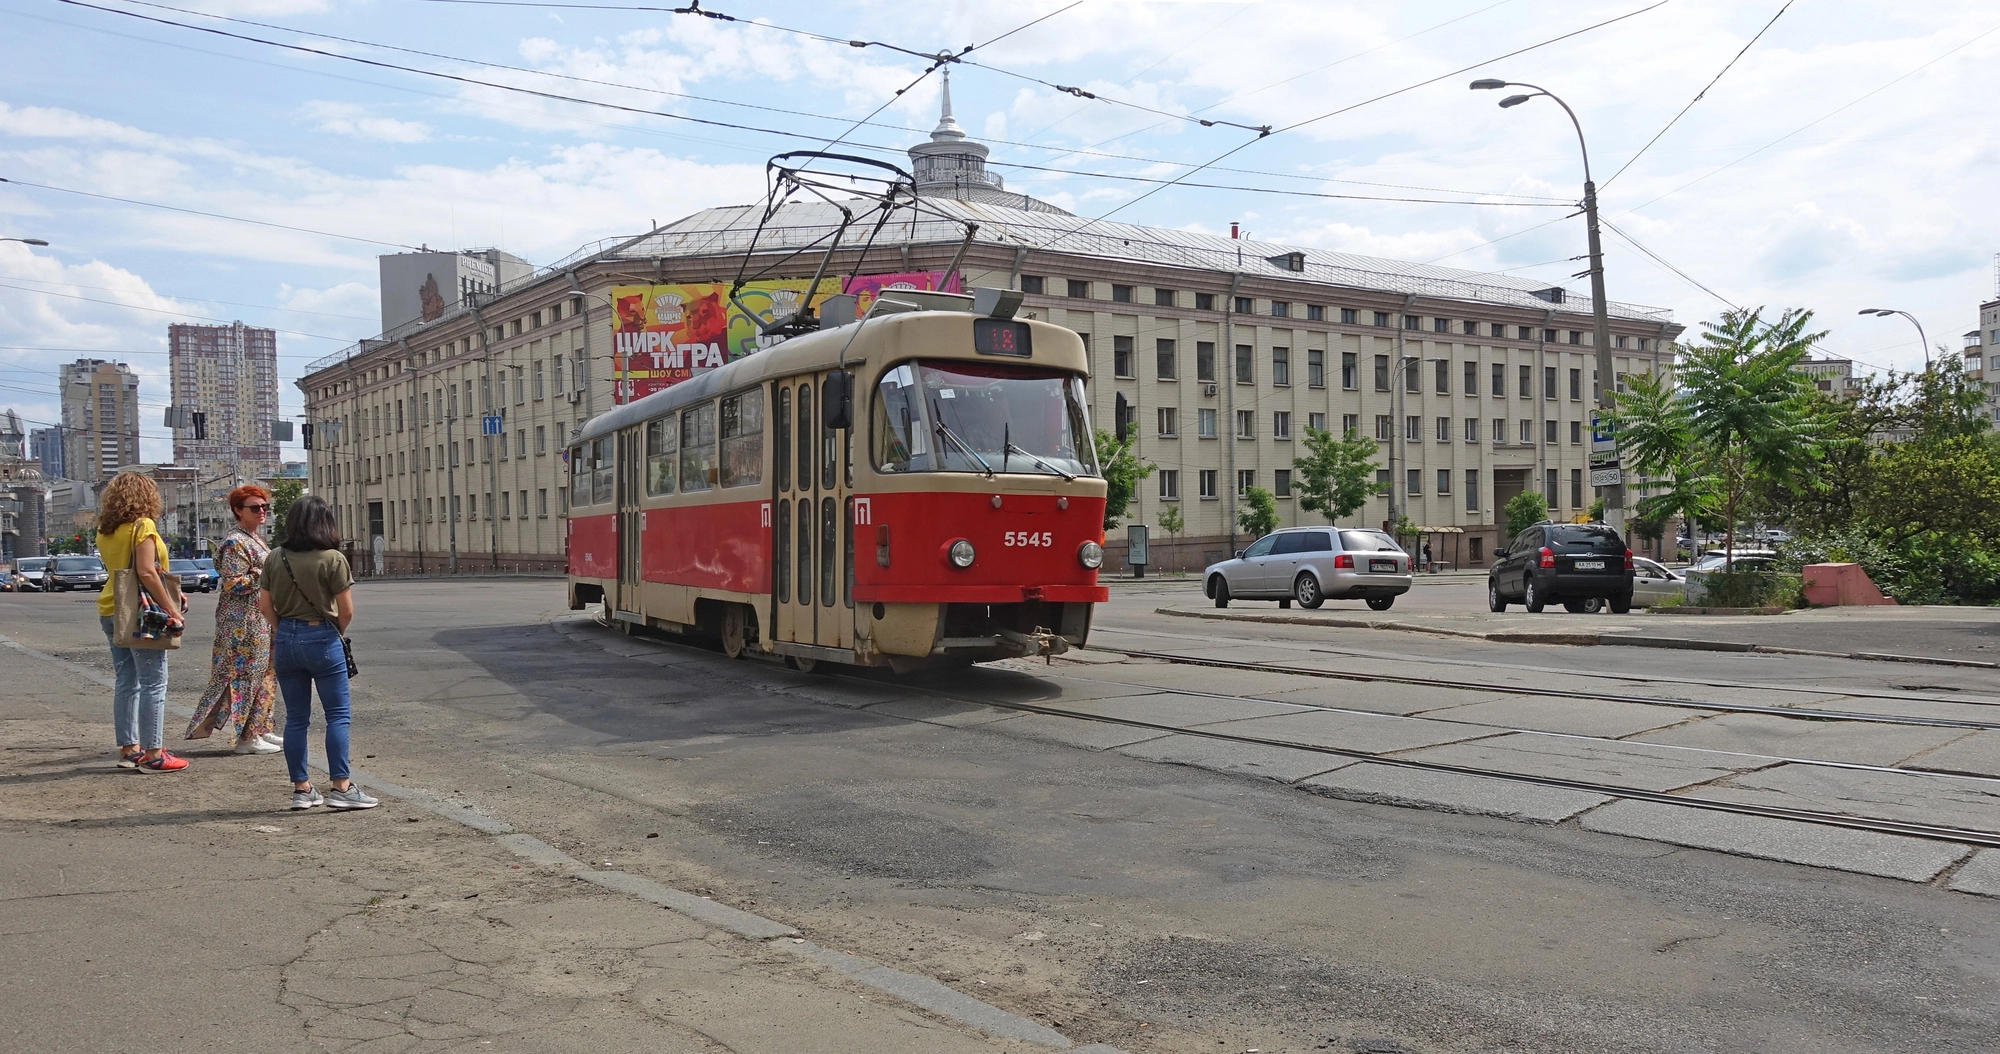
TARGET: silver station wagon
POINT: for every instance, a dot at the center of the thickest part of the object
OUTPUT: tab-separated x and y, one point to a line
1313	565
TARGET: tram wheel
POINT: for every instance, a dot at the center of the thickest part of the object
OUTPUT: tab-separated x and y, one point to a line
802	664
735	631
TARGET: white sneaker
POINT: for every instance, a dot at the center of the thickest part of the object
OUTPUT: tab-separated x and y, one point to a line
274	739
254	745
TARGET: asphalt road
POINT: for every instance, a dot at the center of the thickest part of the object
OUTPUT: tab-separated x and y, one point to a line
1151	906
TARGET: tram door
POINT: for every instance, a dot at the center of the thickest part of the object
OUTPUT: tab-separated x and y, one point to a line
631	459
811	530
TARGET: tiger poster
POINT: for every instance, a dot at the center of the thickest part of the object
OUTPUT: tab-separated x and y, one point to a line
666	334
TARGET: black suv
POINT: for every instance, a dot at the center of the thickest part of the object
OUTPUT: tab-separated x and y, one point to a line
1566	563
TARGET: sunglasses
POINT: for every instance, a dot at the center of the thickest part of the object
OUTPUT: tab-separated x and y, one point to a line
257	508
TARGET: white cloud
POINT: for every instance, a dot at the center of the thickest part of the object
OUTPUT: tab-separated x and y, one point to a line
348	119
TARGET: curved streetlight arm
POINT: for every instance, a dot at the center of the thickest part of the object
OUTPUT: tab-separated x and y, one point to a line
1578	125
1925	341
26	241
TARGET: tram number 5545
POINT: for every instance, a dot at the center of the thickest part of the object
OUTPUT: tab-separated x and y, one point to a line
1030	538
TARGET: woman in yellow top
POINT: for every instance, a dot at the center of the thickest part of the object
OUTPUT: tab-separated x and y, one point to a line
126	537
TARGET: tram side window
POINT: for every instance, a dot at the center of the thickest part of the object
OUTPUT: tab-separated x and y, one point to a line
662	452
579	474
601	464
899	415
698	448
743	439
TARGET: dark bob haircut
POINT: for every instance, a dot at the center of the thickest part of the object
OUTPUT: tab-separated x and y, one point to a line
309	526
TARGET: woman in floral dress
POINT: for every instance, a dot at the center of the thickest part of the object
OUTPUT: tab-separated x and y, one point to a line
242	693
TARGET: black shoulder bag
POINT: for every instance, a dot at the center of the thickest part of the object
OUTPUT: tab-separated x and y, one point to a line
346	646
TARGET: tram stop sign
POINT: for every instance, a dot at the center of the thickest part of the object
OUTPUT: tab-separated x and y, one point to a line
1605	470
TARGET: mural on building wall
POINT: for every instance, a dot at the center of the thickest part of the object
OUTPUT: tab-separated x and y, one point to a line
669	333
431	299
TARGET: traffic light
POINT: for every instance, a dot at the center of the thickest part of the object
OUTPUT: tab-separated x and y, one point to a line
200	425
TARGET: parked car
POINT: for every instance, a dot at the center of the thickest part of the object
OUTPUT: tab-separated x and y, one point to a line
1566	563
28	572
1758	560
75	572
1715	559
1653	582
1313	565
193	578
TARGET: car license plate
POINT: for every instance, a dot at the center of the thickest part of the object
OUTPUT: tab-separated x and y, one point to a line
1382	567
1590	565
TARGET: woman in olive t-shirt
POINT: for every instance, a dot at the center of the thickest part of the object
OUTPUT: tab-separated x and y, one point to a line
306	596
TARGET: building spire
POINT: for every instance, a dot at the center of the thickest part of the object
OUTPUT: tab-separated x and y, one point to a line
947	129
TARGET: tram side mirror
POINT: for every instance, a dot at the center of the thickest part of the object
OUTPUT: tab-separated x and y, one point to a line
837	399
1121	417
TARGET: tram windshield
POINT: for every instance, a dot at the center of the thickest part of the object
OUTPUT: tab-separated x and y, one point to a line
982	417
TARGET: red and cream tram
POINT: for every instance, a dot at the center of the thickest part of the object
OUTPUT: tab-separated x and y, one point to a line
913	488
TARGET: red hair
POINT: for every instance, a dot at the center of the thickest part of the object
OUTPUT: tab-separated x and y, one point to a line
242	495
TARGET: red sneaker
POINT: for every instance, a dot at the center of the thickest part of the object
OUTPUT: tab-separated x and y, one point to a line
166	762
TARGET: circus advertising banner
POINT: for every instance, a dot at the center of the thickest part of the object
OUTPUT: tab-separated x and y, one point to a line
666	334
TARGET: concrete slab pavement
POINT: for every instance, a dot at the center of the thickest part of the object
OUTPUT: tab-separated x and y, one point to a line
1368	733
1583	717
1862	852
1855	743
1978	753
1636	765
1914	797
1283	764
1452	792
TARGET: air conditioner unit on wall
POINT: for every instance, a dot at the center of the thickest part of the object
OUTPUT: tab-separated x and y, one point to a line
576	396
1208	390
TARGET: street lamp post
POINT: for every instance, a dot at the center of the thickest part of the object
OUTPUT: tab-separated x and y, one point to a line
26	241
1925	341
1614	496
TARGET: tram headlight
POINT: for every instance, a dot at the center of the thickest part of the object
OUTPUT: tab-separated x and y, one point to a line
960	553
1091	555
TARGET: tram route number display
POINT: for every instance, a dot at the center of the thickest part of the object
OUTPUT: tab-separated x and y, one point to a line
1029	539
662	335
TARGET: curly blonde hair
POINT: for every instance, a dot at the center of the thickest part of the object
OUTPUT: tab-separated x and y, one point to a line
127	498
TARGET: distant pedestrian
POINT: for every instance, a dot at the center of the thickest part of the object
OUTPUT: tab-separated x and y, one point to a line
1427	556
307	596
128	538
242	695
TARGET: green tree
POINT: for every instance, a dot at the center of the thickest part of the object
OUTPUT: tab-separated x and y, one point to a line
1337	476
1524	510
1172	523
1742	418
283	493
1258	515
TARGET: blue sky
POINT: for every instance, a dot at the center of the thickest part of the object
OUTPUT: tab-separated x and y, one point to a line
1846	161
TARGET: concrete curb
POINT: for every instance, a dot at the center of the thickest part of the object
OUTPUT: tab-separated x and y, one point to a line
1581	639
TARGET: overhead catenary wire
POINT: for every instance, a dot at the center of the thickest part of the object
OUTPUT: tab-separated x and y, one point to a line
199	212
165	311
1700	94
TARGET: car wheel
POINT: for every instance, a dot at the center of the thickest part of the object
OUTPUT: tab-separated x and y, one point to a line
1621	604
1574	607
1494	601
1381	603
1306	591
1594	605
1221	592
1531	598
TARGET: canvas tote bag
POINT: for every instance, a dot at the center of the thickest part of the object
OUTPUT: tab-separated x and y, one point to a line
129	601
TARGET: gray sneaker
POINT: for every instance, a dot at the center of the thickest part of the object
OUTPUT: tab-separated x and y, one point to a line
306	799
351	798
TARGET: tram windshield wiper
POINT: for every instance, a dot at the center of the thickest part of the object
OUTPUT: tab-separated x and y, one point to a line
945	431
1012	449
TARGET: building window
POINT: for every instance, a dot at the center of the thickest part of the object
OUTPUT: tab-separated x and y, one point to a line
1280	309
1410	379
1471	328
1413	482
1499	380
1472	501
1316	369
1442	368
1385	427
1206	479
541	440
1499	431
1204	360
1549	432
1526	432
1246	372
1079	289
1033	283
1444	429
1382	319
1121	357
1618	342
1440	325
1444	481
1163	298
1498	330
1204	424
1350	424
1204	302
1549	493
506	506
1245	306
1169	422
1576	385
1315	312
1575	336
1349	317
1548	382
1413	428
1471	377
1349	371
1121	294
1281	367
1527	388
1281	483
1165	360
1246	424
1381	373
1411	322
1576	488
1281	424
1576	433
1170	484
1316	422
1245	479
1382	478
1528	333
1472	429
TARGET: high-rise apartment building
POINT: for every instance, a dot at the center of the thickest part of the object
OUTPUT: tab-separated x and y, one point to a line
229	375
45	445
100	418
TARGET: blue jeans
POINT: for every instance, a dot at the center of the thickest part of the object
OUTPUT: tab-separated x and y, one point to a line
139	692
302	656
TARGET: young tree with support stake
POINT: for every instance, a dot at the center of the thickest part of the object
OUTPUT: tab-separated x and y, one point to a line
1337	476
